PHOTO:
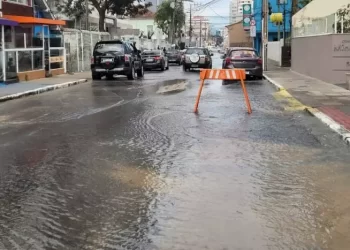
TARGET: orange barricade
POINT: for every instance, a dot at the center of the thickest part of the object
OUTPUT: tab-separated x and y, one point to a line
223	74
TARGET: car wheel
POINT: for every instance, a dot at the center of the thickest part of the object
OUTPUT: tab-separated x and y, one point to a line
109	77
96	77
167	66
225	82
131	75
140	71
184	68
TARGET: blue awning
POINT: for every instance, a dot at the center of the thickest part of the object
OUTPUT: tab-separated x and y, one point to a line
7	22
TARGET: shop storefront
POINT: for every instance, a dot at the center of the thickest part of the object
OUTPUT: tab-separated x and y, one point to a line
31	48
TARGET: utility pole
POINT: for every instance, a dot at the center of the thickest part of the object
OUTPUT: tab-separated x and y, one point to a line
284	24
265	33
190	33
172	32
200	32
87	14
294	10
279	24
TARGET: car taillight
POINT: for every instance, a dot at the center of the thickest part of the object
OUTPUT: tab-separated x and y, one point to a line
259	61
228	60
126	58
92	60
157	58
206	58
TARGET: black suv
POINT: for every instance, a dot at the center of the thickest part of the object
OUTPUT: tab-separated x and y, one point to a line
116	58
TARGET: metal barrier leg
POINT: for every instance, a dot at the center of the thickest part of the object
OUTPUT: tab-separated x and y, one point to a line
199	96
246	97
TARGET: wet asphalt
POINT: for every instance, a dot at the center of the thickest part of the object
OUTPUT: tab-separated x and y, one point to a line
116	165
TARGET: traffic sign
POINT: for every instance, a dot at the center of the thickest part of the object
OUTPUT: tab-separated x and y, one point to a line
252	22
253	31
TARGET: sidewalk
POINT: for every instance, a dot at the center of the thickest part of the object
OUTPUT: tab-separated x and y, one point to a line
17	90
326	101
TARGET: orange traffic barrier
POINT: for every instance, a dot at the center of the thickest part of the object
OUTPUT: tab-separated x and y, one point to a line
223	74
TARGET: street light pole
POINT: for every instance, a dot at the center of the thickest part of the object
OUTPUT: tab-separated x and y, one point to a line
87	14
190	33
173	25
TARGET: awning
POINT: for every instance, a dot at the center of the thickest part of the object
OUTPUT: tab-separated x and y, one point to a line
7	22
34	20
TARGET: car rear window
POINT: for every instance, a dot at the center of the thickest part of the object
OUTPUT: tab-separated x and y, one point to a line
243	54
104	47
151	53
195	51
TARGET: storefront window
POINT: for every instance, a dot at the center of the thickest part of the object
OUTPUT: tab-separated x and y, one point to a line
24	2
1	51
38	59
56	38
24	61
10	60
9	38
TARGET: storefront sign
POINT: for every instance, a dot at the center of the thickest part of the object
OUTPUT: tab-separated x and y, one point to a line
247	13
55	59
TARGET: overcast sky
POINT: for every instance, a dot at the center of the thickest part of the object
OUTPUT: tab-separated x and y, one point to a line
217	13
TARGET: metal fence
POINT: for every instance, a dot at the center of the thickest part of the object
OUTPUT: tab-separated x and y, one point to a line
316	26
79	46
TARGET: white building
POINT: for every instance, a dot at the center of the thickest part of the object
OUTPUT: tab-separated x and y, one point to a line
236	9
200	30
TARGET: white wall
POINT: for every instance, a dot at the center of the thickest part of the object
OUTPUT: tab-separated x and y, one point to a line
274	50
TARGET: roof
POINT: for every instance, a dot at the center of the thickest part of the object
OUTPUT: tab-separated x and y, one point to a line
34	20
148	14
234	23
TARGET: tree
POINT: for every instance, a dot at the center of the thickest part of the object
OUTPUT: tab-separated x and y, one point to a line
304	2
344	15
76	8
164	16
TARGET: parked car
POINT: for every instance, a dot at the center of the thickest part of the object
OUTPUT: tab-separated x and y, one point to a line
174	56
155	59
116	57
244	58
197	57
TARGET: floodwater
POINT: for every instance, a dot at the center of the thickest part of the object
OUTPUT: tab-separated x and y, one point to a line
115	165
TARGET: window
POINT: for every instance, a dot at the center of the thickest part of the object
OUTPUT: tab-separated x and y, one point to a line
243	54
195	51
105	47
151	53
10	64
24	2
24	61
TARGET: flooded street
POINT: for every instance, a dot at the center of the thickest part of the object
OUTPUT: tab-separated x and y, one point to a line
126	165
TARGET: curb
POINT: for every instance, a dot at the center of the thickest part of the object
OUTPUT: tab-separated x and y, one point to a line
333	125
274	83
41	90
325	119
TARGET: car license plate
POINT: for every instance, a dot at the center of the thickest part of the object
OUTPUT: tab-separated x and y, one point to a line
149	60
194	66
107	60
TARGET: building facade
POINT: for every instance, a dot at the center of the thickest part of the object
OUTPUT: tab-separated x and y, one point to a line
236	9
31	41
272	28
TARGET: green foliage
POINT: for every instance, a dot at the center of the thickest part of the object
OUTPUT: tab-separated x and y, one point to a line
344	13
76	8
164	15
304	2
73	9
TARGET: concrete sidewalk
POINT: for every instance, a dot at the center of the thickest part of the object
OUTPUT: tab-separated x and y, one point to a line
17	90
326	101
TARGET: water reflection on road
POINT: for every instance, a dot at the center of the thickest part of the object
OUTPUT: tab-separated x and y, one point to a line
110	165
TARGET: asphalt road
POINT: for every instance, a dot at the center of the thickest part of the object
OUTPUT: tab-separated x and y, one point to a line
116	165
